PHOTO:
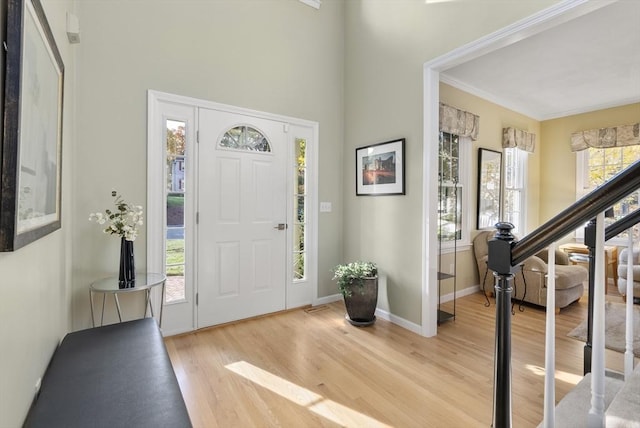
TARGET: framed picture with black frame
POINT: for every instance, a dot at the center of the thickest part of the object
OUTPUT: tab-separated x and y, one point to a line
380	169
32	138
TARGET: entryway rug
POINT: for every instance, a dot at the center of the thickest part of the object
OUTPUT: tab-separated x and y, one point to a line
614	328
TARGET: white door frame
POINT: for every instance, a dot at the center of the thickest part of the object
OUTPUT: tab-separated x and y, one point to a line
532	25
298	293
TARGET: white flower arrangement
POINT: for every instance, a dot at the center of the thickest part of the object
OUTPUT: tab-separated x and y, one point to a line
123	221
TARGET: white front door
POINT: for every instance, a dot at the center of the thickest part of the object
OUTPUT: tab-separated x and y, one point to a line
242	211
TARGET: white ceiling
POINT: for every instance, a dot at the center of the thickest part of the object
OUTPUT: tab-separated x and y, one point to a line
588	63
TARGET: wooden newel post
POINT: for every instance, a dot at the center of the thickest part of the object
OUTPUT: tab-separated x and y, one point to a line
500	263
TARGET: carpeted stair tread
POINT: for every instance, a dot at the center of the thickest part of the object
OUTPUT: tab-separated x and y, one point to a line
624	411
573	409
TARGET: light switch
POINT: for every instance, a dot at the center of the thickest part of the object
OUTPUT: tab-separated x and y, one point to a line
325	207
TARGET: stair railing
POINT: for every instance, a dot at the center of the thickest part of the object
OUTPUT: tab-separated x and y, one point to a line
595	236
505	254
613	230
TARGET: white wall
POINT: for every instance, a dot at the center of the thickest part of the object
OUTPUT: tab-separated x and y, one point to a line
387	43
276	56
35	288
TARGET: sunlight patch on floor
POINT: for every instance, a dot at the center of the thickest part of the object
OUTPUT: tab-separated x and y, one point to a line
562	376
316	403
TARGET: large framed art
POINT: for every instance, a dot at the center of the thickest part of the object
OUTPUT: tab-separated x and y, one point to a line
32	137
380	169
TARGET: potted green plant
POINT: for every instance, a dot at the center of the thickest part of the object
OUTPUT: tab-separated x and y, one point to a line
358	284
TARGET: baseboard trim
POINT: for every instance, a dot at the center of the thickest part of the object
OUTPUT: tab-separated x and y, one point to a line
399	321
462	293
327	299
380	313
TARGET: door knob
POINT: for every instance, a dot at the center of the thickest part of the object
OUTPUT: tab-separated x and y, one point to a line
280	226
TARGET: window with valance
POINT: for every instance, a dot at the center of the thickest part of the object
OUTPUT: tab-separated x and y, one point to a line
517	144
601	154
518	138
457	129
459	122
615	136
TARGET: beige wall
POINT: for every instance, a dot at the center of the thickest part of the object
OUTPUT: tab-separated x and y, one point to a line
387	44
35	291
354	66
492	119
275	56
558	173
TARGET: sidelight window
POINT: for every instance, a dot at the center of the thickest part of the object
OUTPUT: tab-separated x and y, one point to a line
299	215
175	218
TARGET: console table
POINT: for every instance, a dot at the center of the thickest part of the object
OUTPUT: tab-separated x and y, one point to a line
144	282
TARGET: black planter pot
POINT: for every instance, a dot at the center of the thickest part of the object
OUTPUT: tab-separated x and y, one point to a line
361	305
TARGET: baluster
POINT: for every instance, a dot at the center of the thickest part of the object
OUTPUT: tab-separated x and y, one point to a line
596	413
628	355
550	342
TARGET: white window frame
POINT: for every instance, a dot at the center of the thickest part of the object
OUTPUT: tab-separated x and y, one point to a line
582	189
464	182
299	291
521	160
179	315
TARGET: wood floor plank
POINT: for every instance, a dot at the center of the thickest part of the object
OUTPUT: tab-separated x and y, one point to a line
310	368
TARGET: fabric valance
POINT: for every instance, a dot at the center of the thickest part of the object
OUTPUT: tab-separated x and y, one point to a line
617	136
459	122
514	137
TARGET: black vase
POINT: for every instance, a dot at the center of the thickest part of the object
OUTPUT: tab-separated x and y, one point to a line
361	305
127	277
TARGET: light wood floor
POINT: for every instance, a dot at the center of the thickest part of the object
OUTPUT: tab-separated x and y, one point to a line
310	368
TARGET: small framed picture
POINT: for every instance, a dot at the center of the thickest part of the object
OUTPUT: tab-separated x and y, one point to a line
380	169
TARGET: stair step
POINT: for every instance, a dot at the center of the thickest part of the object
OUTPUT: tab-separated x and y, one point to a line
572	411
624	411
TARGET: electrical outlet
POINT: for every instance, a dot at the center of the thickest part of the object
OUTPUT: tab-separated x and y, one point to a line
38	384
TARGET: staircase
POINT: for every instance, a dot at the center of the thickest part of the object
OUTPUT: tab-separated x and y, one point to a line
624	410
621	399
621	391
599	400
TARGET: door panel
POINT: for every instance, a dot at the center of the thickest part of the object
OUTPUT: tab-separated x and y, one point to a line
241	201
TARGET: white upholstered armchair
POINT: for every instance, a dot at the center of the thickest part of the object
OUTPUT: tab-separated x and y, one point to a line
622	272
570	279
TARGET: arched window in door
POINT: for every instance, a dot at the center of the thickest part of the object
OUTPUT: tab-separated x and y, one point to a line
245	138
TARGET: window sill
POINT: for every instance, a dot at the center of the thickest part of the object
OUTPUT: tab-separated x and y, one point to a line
460	248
